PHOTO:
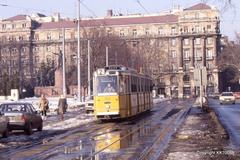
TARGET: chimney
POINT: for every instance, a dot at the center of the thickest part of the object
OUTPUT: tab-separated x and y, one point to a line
109	13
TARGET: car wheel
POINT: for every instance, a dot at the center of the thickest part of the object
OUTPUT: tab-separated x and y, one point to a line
40	127
6	133
28	129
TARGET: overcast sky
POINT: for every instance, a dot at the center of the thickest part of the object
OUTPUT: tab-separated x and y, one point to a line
230	17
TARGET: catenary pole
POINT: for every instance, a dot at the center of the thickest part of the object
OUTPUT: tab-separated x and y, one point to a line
106	56
63	62
79	57
89	70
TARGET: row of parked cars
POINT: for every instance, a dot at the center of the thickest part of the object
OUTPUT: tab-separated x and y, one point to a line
19	116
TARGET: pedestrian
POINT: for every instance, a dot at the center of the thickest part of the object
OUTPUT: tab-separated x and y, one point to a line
62	106
43	106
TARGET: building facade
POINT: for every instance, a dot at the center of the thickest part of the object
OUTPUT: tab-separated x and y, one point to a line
172	44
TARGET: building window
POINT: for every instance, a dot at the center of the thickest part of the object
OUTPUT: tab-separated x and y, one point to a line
13	26
210	78
48	36
160	31
185	29
23	50
36	37
147	31
60	36
173	30
198	65
134	43
198	54
197	29
24	25
209	54
134	32
4	26
198	41
37	59
174	68
209	40
186	41
186	67
49	59
121	33
173	42
173	54
186	54
209	28
186	78
48	48
196	15
109	32
174	80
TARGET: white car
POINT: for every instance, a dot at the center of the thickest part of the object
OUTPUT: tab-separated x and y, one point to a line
227	97
89	106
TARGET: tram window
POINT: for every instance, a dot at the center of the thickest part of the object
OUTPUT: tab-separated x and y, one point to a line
143	85
122	87
127	84
106	84
134	84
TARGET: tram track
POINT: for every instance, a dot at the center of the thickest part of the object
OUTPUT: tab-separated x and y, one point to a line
84	142
176	115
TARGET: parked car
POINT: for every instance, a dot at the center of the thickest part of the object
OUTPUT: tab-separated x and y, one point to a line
4	130
89	106
214	95
237	95
22	116
227	97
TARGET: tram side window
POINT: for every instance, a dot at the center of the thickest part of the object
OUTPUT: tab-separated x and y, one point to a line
134	84
143	84
138	84
128	84
123	84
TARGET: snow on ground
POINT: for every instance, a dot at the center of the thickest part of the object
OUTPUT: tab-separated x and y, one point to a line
74	117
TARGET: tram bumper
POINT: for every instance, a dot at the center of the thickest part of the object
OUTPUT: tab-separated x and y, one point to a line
108	115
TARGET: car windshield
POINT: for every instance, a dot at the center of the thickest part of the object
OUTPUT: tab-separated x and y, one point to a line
13	108
227	94
106	84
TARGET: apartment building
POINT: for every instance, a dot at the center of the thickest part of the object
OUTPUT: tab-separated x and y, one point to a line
173	42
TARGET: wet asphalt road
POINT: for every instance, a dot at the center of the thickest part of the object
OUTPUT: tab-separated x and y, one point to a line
84	140
229	116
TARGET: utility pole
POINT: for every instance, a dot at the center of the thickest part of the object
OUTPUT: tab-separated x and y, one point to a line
200	75
89	71
79	57
63	63
107	56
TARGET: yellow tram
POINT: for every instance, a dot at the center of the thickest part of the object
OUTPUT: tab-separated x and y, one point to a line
120	92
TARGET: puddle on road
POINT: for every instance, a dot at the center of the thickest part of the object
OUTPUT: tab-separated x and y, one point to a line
107	144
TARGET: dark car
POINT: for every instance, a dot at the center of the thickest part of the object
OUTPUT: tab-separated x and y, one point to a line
4	128
22	116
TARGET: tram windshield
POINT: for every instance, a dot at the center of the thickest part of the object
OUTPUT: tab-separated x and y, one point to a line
107	84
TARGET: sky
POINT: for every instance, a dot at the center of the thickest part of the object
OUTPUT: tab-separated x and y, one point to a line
230	16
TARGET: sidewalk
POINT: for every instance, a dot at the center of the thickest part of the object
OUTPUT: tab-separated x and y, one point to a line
200	137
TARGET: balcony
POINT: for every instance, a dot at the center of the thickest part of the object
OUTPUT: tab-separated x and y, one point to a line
209	58
197	58
186	58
